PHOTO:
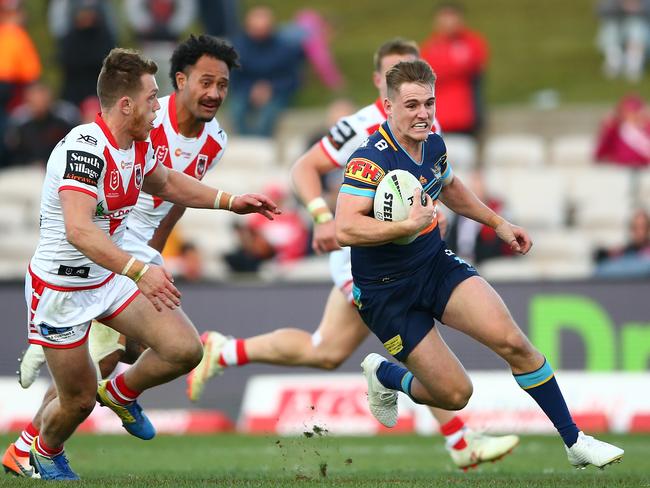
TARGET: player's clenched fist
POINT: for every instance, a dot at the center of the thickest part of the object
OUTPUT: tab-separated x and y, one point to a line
324	240
157	285
422	216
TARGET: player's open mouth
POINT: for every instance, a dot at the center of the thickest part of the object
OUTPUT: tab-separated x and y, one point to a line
209	106
421	125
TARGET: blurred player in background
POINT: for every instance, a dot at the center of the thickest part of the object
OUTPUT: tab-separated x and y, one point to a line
341	330
187	138
400	289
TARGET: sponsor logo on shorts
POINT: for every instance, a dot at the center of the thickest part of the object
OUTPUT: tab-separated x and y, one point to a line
364	170
79	271
83	167
55	334
394	345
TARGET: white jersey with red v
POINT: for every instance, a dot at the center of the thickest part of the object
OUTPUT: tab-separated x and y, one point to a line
349	132
193	156
87	160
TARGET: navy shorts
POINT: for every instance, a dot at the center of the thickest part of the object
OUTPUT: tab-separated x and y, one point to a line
401	312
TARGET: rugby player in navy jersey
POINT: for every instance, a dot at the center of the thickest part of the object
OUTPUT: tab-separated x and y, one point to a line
341	330
400	289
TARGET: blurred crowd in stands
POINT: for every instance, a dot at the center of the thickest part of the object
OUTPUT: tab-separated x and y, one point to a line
274	57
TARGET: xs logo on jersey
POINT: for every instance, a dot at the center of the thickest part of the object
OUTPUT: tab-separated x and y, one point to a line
364	170
90	140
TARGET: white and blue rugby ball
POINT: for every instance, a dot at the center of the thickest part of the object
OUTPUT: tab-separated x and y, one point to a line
394	197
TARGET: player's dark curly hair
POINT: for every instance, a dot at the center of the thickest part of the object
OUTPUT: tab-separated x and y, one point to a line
189	51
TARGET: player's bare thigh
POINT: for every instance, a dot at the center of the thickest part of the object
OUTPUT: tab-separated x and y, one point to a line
341	329
477	310
167	332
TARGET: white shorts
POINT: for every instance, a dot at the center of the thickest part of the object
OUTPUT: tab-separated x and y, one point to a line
138	248
60	317
341	271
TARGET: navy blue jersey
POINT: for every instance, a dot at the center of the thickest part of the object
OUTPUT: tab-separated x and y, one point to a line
366	167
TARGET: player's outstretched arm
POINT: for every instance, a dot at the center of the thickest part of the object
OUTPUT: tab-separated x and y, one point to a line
179	188
461	200
154	281
354	227
306	178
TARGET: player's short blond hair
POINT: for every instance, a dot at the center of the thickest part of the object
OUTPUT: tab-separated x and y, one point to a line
397	45
121	74
417	71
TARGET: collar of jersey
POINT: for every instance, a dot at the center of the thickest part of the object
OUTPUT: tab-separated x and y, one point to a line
390	134
171	109
107	132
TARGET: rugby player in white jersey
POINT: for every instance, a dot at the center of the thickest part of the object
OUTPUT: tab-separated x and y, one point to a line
341	330
79	273
186	137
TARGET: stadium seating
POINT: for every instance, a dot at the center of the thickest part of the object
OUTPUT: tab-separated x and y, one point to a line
515	150
549	184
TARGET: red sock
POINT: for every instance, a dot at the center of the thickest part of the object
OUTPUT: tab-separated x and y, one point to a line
454	431
24	442
45	450
121	393
233	353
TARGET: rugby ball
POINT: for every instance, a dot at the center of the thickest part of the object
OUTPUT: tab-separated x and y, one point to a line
394	197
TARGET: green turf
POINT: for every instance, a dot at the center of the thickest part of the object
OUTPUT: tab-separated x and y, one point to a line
234	460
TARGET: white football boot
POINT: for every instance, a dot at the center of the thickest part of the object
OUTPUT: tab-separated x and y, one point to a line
482	448
30	365
381	400
588	450
209	366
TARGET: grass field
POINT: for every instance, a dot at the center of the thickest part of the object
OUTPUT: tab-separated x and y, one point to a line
235	460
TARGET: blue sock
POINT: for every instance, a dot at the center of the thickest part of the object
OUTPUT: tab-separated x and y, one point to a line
395	377
541	385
